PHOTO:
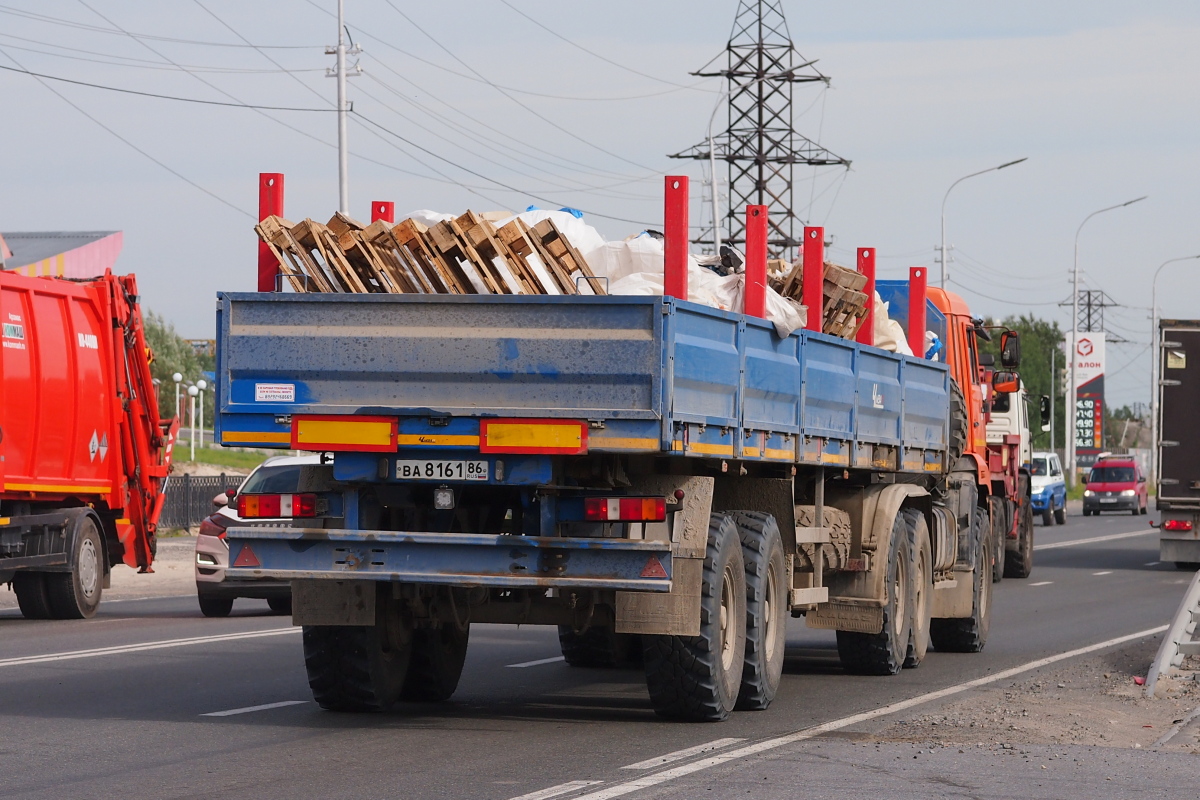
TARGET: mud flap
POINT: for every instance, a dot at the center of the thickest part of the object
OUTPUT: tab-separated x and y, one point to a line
675	613
326	602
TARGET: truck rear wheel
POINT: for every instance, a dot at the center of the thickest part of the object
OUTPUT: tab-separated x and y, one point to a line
31	595
438	655
1001	520
884	653
356	668
698	677
1019	563
599	647
766	609
922	585
969	634
76	594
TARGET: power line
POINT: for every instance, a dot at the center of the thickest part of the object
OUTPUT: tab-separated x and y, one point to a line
158	96
121	32
603	58
131	145
143	63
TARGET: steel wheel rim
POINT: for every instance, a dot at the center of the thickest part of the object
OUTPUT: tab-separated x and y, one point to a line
88	568
728	619
900	593
768	608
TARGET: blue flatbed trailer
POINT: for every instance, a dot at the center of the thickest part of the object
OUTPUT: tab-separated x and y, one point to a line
471	439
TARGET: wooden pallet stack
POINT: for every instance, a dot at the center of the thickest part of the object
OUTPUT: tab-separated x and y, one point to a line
465	255
845	302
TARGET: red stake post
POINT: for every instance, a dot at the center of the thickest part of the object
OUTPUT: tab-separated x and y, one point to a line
918	278
675	233
383	210
755	302
866	265
270	203
812	294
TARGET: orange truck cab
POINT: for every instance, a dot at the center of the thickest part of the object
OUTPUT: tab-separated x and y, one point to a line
1002	479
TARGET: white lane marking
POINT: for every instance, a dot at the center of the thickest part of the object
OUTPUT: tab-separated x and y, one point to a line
264	707
1105	572
647	781
537	663
137	648
1042	583
1152	563
1110	537
555	791
658	761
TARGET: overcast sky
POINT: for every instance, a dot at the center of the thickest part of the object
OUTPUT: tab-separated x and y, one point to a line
1102	96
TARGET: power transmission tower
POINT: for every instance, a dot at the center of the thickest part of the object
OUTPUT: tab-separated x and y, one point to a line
1092	303
759	144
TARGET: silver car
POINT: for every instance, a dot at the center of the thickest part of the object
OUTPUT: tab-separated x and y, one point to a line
279	475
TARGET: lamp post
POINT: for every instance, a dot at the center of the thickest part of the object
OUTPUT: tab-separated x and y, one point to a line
202	385
1071	396
192	392
1156	365
177	377
947	197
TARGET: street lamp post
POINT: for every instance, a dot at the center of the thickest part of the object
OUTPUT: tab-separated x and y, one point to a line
192	392
947	197
1072	400
202	385
1156	366
177	377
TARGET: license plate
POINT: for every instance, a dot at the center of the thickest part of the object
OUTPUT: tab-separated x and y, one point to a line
1108	499
442	470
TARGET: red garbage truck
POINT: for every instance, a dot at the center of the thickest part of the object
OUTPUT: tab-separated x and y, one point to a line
84	456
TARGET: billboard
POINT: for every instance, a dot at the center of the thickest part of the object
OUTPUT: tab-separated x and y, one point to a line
1088	352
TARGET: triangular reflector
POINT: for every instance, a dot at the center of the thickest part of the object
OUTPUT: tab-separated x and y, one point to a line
246	558
654	568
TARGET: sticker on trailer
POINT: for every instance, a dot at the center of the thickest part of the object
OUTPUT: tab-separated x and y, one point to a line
14	335
89	341
274	392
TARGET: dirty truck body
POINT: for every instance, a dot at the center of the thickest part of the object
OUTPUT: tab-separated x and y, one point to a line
615	466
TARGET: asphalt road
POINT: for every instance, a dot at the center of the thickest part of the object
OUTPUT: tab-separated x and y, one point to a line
137	721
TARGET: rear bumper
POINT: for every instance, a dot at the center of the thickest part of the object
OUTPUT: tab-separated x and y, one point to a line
262	589
455	559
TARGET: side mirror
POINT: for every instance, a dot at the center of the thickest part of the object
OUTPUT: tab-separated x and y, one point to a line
1010	349
987	360
1005	382
1044	408
1083	479
221	500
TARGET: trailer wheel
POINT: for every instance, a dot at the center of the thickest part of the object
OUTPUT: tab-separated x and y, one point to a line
698	677
76	594
1019	563
438	655
358	668
31	595
969	634
280	605
599	647
884	653
922	585
215	606
766	608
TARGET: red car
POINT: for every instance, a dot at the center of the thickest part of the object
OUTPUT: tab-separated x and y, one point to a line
1116	483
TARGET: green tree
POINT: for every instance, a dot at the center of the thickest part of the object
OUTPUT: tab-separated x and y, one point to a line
1039	338
173	353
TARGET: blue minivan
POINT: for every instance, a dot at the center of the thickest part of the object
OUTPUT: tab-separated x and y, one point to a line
1048	488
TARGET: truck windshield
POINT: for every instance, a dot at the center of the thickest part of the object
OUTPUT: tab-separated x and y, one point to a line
1111	475
1039	467
273	480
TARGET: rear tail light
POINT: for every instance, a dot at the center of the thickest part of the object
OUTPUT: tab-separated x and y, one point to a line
1176	525
251	506
625	509
214	525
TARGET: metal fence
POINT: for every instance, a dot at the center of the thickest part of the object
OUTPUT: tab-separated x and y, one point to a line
189	498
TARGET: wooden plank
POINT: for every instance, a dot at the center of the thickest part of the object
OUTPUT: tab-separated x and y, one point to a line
289	265
410	235
482	236
514	236
363	263
457	252
561	248
378	236
294	240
